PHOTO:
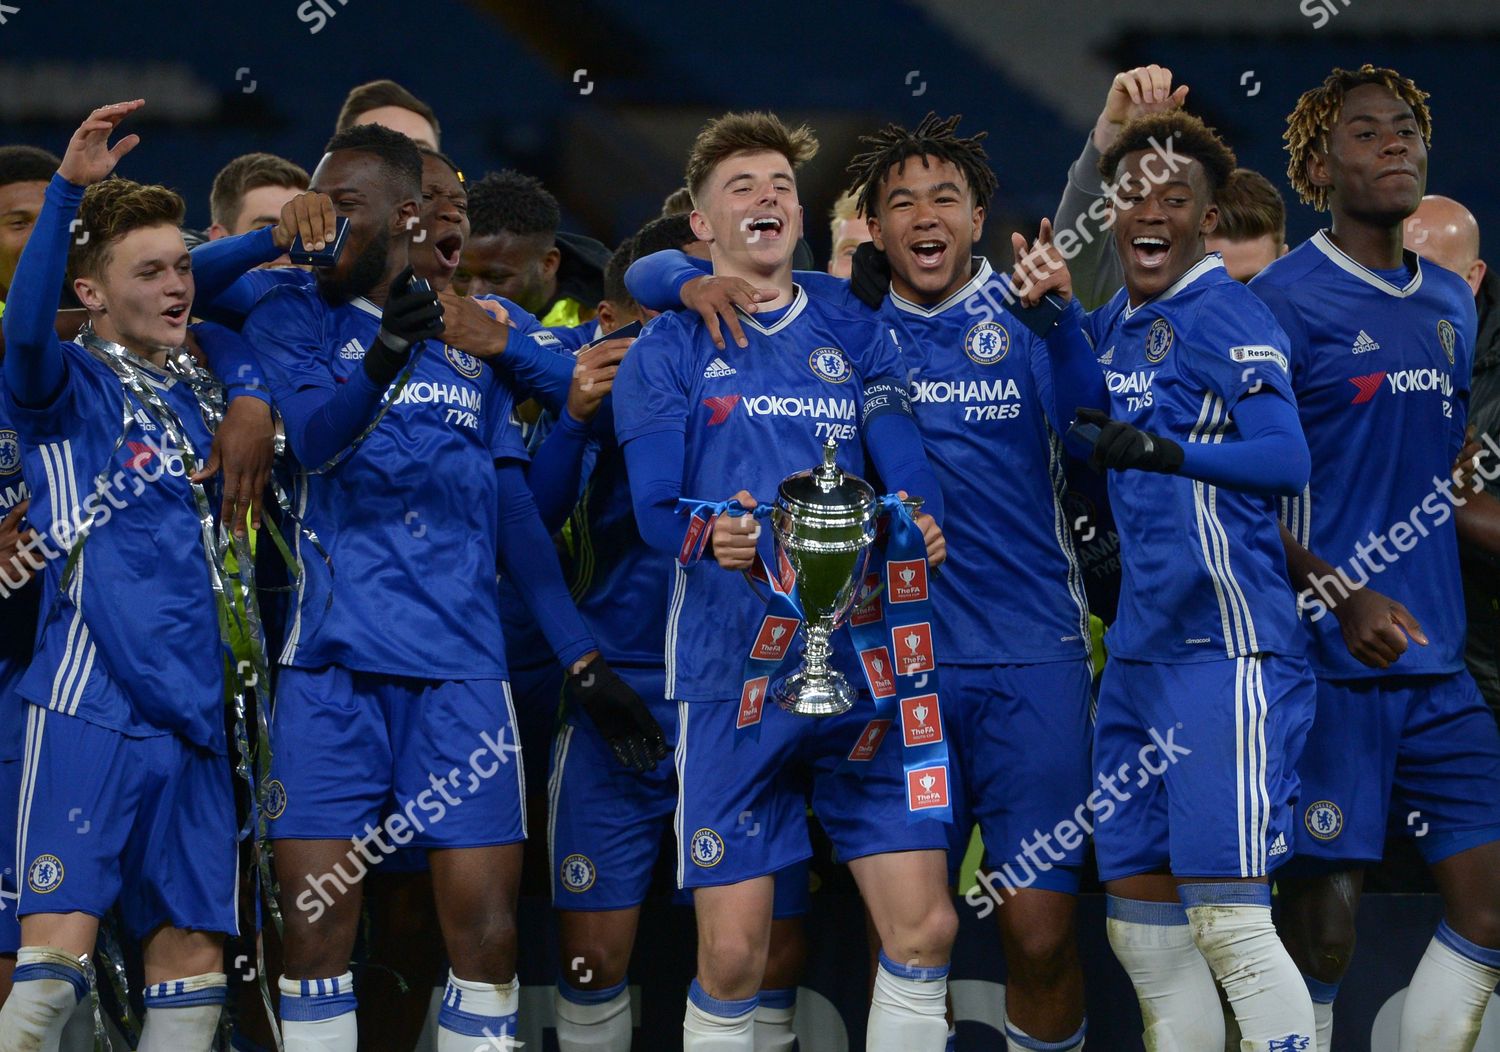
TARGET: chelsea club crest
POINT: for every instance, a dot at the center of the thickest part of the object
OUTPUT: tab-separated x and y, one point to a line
10	453
1158	340
1324	820
1446	336
465	363
707	848
45	874
830	363
987	342
577	873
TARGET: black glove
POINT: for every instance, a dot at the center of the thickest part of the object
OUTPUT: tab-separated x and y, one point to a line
1122	446
619	713
870	279
412	313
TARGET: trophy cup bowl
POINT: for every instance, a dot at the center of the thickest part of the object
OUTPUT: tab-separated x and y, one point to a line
824	522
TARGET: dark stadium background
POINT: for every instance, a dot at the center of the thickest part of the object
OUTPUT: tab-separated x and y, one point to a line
600	98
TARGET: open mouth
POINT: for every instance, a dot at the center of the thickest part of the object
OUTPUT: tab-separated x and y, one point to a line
929	254
767	227
1150	252
176	315
447	249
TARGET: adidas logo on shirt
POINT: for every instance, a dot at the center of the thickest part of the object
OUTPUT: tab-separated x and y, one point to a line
1278	846
1364	343
718	368
352	350
1108	357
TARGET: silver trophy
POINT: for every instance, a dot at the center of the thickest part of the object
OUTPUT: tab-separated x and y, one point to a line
824	522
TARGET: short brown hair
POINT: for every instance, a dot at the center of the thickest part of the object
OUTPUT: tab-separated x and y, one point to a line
1250	207
746	133
248	172
1317	111
378	93
110	210
678	203
1194	139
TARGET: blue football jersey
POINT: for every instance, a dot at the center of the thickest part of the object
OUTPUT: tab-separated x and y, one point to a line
1203	568
750	416
18	605
404	583
1381	374
1011	591
133	643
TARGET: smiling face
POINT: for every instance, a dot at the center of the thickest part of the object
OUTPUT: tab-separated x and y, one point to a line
1160	226
444	226
926	222
1375	161
370	197
520	267
748	211
141	295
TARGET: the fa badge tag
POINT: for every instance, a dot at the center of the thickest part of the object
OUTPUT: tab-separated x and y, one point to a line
878	670
906	580
466	364
869	741
920	723
1158	340
914	648
45	874
926	788
752	702
867	609
775	636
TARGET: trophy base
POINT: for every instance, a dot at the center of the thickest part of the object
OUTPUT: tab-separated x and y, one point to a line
826	695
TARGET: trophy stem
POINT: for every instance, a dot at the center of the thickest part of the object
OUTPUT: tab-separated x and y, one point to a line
816	689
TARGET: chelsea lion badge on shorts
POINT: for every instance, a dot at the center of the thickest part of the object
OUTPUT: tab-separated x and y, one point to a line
465	363
1158	340
987	342
577	873
1324	820
707	848
45	874
830	363
10	452
274	802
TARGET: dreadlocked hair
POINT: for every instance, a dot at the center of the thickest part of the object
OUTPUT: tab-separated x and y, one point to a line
933	137
1317	111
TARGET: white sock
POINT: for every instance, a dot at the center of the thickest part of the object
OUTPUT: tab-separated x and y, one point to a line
773	1021
49	984
593	1020
1179	1001
317	1015
182	1015
1448	994
1018	1040
1232	926
712	1025
1323	995
477	1015
909	1010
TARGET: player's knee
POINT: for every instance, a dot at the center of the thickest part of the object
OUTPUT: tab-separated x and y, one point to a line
1040	952
1326	942
926	938
732	961
1479	922
486	946
594	964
